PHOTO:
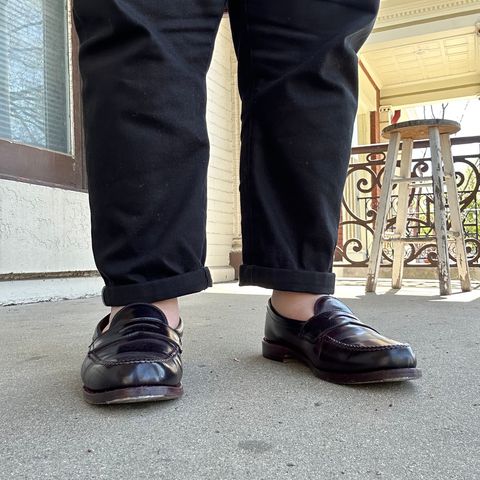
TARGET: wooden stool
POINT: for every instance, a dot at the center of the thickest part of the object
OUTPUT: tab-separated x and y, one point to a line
438	132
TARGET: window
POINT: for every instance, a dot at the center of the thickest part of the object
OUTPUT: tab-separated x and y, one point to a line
37	105
33	75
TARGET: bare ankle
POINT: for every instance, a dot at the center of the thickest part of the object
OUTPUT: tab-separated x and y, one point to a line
295	305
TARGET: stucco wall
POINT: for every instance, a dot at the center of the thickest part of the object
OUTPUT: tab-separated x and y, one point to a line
45	229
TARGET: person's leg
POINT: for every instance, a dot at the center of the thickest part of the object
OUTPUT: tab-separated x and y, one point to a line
143	65
298	80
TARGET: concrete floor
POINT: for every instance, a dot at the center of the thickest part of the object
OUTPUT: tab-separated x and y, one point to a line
243	416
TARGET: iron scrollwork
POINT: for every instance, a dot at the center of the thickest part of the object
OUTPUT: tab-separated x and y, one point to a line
360	210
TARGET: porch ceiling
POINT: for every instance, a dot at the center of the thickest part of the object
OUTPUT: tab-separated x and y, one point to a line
424	51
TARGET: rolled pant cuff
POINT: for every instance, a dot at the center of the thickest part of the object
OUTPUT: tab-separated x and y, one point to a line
149	292
285	279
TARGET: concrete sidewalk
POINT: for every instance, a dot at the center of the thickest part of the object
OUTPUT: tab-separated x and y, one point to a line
242	416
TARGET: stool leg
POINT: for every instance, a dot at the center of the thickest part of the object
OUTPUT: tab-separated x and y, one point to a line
455	217
376	248
402	213
439	212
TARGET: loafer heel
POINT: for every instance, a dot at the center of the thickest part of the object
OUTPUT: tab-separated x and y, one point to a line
275	352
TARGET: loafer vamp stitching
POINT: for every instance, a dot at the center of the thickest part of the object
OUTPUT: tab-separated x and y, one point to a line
353	346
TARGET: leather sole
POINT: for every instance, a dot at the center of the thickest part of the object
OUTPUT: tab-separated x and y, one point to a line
133	394
280	353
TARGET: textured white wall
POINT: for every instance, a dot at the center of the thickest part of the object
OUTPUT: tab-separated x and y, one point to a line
45	229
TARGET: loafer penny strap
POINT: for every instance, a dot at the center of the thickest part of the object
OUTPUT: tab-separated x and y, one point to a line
319	326
128	329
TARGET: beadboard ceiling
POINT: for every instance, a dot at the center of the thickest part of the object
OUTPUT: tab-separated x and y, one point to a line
425	46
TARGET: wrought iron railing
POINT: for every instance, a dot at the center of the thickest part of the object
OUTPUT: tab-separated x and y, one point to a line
362	193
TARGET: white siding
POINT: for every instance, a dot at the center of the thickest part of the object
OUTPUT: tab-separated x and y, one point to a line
221	176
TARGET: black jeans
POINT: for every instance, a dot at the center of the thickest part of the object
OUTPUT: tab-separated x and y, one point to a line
143	65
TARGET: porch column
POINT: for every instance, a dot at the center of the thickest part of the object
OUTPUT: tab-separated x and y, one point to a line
385	112
236	251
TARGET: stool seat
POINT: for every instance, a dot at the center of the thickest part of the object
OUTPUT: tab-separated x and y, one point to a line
443	174
419	129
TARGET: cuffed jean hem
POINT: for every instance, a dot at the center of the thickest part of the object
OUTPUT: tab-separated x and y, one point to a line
285	279
149	292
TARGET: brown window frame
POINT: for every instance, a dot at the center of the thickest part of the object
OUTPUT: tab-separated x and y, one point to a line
26	163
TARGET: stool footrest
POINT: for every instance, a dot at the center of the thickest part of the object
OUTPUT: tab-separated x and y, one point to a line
412	180
450	233
416	180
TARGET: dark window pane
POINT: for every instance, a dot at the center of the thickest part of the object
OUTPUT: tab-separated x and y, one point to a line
34	100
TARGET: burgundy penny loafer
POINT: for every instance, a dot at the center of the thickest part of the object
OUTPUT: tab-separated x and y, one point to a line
337	346
136	360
